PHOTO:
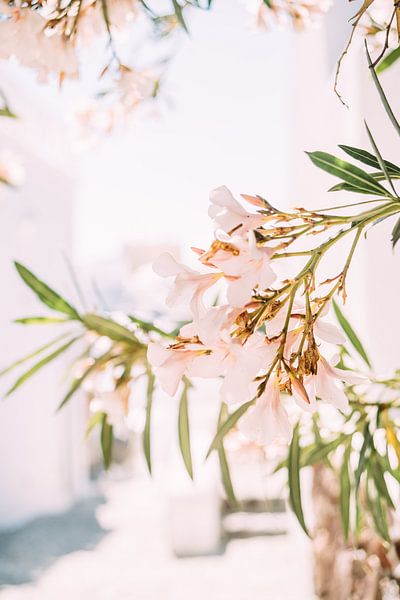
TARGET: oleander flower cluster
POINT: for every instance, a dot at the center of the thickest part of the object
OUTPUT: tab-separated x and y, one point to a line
50	37
266	334
380	25
46	35
300	14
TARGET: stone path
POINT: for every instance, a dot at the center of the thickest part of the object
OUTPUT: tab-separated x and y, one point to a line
116	548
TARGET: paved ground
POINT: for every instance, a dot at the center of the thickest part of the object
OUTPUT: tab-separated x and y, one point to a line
115	548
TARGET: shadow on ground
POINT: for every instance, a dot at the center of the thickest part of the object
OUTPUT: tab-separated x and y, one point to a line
26	552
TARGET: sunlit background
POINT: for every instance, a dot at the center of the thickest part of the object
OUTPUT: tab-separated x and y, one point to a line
238	105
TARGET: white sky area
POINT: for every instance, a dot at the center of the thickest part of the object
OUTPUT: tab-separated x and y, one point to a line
221	120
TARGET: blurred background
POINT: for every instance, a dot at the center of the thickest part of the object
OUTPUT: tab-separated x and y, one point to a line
238	107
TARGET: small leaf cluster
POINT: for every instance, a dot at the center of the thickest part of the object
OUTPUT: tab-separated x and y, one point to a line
125	348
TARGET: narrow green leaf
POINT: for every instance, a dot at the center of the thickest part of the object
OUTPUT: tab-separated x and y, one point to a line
381	93
106	439
346	187
379	480
379	176
318	453
387	467
351	334
147	427
345	491
359	520
388	61
369	159
306	452
379	158
319	442
227	425
45	294
377	510
395	233
147	326
76	384
39	365
5	111
380	518
33	354
109	328
95	419
40	320
226	479
184	431
362	460
349	173
294	478
224	465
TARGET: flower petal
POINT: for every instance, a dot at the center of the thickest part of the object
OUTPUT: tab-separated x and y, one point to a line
328	388
236	388
267	421
166	265
301	395
157	354
328	332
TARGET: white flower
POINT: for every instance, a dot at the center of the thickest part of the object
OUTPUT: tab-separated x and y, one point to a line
189	286
22	35
323	330
238	363
210	324
171	364
327	384
267	421
245	266
228	214
299	13
303	395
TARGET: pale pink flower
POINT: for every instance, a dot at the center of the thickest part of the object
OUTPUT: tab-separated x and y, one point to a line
328	332
238	363
303	394
374	23
210	324
327	384
229	214
171	364
189	286
245	266
267	421
323	330
299	13
22	35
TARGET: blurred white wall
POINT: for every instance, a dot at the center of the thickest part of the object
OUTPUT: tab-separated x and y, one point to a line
222	118
42	458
